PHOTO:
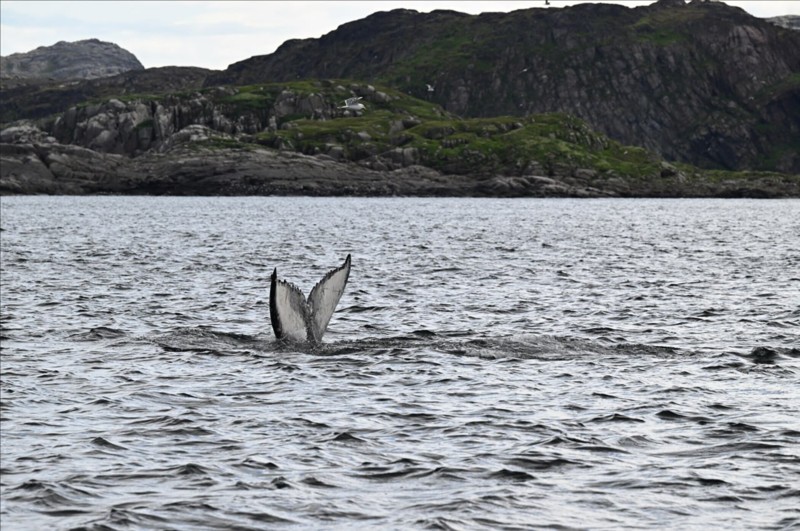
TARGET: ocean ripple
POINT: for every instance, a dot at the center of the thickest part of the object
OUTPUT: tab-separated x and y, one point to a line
508	364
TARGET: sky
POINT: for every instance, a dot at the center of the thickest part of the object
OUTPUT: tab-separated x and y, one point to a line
214	34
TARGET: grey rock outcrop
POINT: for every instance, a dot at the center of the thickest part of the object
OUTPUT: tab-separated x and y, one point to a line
87	59
786	21
37	98
139	125
192	163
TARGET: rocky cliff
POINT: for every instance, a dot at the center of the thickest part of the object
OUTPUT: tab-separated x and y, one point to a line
292	138
194	164
87	59
38	98
699	82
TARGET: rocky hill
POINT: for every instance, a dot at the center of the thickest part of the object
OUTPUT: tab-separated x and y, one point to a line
38	98
699	82
530	103
292	138
87	59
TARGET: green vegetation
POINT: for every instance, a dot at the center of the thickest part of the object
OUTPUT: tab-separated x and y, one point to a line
144	124
549	144
789	84
659	36
397	129
223	143
249	100
504	144
667	26
454	49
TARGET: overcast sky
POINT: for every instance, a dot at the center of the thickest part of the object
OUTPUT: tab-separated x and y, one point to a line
214	34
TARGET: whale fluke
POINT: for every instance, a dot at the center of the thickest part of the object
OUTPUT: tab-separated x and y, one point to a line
299	320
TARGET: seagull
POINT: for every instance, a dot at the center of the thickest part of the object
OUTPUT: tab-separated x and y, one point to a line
430	88
352	104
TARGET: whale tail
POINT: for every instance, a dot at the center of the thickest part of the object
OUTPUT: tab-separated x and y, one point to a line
297	319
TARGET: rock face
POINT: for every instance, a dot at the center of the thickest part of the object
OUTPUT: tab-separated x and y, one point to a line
190	165
270	139
198	160
698	82
36	164
88	59
36	98
140	124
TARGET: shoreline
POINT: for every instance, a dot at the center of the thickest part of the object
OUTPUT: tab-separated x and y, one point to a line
59	169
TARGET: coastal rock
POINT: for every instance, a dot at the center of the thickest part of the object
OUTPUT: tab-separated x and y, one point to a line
25	133
58	169
23	172
193	163
170	143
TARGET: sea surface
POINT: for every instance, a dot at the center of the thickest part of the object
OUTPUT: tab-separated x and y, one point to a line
493	364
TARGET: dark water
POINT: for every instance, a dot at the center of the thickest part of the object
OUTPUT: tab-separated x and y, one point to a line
494	364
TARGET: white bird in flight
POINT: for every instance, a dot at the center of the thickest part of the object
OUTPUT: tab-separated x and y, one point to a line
352	104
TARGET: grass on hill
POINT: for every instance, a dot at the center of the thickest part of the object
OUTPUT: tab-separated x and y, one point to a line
502	144
545	144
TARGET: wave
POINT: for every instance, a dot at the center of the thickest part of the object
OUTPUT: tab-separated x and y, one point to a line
206	340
